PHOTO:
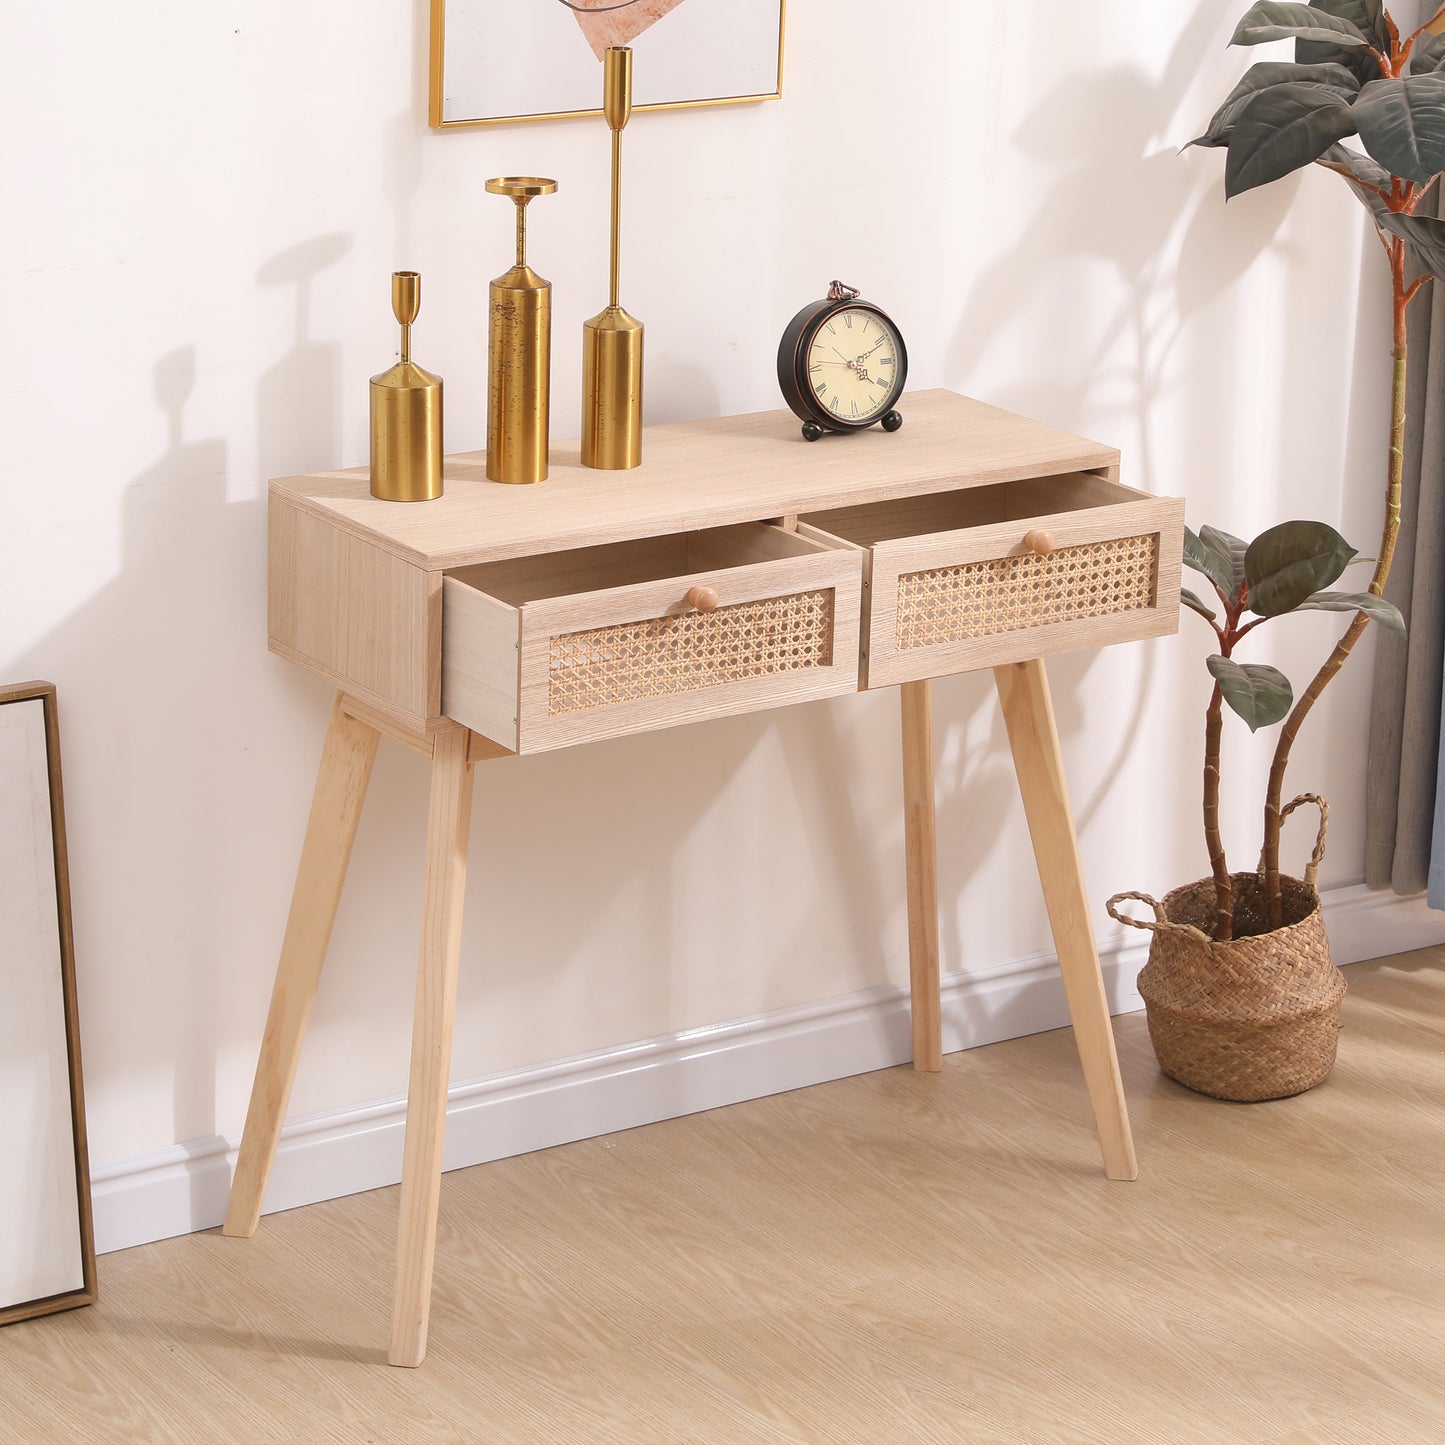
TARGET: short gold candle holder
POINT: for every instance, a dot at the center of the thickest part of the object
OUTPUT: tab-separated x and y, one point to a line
612	340
406	413
519	352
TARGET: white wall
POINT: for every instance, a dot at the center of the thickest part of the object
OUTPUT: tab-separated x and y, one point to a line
204	204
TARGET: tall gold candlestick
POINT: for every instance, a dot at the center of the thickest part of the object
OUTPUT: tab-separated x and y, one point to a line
612	340
406	413
519	359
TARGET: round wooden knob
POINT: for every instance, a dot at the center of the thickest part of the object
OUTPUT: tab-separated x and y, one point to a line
702	599
1038	541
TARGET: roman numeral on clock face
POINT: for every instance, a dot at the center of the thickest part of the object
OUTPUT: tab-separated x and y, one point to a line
850	366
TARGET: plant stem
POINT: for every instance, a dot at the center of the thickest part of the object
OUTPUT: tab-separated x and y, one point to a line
1223	884
1269	857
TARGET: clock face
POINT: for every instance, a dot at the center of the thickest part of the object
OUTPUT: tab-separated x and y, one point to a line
852	365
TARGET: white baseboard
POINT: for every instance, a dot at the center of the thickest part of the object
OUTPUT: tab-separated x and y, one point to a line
184	1188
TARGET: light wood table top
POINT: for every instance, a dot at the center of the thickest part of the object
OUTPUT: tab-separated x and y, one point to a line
698	474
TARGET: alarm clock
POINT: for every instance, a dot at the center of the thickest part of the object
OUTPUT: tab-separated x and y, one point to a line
842	365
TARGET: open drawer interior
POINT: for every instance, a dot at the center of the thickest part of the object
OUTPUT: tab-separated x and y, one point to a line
1005	572
874	522
543	651
522	580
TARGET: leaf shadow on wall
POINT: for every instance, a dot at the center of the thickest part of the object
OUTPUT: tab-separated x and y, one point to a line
1117	205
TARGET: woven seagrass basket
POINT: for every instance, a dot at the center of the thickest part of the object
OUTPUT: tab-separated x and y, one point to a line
1257	1017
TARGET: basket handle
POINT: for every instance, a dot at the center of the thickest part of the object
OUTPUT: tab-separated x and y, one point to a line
1318	856
1160	925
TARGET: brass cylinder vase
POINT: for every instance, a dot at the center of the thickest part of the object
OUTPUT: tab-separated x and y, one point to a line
519	352
612	340
406	413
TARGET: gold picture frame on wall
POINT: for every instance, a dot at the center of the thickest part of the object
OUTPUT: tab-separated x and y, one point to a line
47	1241
495	62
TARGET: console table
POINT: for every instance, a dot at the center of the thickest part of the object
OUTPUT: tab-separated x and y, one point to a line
739	568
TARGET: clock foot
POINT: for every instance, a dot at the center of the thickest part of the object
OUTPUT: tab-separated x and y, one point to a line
892	420
812	431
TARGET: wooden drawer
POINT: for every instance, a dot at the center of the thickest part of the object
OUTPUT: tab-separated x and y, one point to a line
951	584
542	652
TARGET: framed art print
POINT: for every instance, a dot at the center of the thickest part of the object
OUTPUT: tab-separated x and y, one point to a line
47	1249
511	60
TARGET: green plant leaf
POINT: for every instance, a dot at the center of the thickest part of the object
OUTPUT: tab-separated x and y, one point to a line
1360	166
1282	129
1291	562
1192	599
1279	20
1402	124
1229	547
1428	55
1219	555
1261	76
1425	235
1368	17
1360	173
1207	554
1360	63
1385	613
1260	694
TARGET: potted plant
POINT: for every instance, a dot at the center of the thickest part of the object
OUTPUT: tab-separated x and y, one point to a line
1242	998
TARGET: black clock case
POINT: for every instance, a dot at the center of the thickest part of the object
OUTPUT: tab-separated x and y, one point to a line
793	366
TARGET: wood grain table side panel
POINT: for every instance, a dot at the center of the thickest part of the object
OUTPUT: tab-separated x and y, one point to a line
839	571
353	612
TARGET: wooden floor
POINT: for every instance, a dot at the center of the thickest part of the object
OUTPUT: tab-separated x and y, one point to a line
895	1257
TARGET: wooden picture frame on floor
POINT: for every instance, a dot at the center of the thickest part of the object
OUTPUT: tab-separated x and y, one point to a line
47	1243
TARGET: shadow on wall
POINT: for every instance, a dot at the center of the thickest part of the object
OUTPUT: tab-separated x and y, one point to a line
1120	203
183	550
298	400
156	643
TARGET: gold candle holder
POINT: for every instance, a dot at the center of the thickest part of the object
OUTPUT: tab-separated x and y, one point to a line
406	413
612	340
519	352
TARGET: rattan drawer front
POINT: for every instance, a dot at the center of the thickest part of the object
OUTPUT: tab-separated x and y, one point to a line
540	653
1006	594
666	656
947	598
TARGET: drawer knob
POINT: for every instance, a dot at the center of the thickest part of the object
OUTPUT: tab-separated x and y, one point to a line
1039	541
702	599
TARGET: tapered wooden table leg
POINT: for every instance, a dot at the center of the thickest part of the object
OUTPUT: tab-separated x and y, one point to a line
341	780
448	829
921	856
1023	689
